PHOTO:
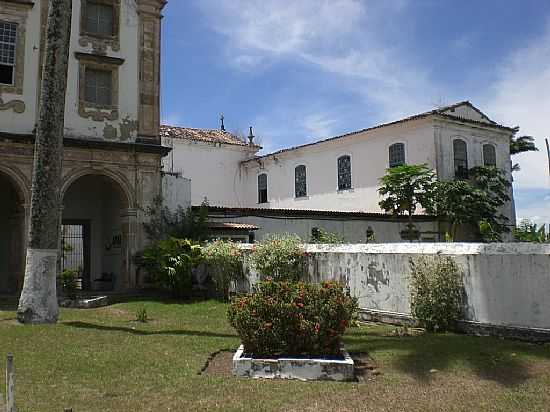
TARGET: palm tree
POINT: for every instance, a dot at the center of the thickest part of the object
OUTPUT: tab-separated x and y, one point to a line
521	144
38	301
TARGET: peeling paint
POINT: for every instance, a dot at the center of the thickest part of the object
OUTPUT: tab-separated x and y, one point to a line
110	132
128	128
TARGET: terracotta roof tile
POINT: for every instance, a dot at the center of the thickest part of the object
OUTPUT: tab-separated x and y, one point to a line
203	135
231	226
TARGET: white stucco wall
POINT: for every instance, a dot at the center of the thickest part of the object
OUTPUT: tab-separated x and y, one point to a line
352	230
505	284
75	125
369	161
212	168
23	123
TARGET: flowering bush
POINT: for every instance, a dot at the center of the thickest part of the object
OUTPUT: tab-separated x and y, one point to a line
436	292
280	257
224	260
292	318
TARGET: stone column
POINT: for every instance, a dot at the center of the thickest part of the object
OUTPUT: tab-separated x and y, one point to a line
127	278
149	12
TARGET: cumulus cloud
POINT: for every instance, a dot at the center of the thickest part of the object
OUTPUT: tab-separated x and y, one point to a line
522	95
342	37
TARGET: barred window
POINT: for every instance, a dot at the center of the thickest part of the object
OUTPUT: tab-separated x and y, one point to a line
99	18
8	39
489	155
460	152
344	172
262	188
300	181
397	154
99	87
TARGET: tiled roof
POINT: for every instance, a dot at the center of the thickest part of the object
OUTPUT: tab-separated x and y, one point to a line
440	111
231	226
202	135
234	212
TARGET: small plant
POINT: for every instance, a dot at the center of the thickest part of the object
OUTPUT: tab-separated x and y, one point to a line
321	236
279	257
293	318
170	263
436	292
528	231
68	280
224	260
141	314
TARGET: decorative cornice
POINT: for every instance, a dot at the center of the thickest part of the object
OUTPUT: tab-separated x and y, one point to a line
99	58
26	3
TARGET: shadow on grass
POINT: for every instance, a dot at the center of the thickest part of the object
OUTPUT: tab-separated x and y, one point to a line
489	358
104	328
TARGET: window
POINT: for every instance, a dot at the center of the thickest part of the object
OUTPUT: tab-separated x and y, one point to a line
460	151
300	181
489	155
99	18
344	172
8	39
262	188
397	154
99	87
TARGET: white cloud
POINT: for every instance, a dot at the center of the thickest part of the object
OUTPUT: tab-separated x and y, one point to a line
342	37
522	95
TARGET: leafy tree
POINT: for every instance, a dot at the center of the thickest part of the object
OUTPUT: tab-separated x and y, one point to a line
476	202
405	188
181	223
528	231
521	144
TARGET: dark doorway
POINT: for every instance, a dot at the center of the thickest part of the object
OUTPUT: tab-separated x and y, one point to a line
75	246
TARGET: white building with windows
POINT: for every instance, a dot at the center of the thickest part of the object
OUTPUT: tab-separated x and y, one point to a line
340	174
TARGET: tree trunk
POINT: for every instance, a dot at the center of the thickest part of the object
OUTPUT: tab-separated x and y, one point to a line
38	302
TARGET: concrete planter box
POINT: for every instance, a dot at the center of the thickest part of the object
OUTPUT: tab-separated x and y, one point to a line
301	368
85	303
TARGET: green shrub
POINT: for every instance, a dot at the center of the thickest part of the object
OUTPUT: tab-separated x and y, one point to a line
279	257
321	236
170	263
224	260
292	318
68	279
436	292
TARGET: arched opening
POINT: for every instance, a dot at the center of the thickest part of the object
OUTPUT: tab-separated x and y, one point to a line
94	233
12	230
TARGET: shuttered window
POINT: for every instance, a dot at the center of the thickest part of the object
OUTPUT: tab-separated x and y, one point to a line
262	188
460	153
344	173
489	155
300	181
396	154
99	87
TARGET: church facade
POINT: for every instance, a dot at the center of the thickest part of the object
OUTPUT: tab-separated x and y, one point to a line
112	151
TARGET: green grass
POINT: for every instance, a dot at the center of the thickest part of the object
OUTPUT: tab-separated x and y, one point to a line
103	360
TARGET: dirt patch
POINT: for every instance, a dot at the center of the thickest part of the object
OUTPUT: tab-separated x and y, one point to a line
364	367
219	363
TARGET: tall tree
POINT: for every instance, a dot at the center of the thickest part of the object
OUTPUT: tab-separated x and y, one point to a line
405	188
475	202
38	301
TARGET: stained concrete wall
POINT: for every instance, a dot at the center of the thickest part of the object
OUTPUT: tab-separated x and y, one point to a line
506	284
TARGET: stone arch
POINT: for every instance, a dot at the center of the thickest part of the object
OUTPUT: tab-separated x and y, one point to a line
20	183
121	180
15	195
98	228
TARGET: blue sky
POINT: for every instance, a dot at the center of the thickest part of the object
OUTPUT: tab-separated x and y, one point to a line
306	69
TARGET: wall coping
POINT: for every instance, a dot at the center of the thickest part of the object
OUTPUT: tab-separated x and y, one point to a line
429	248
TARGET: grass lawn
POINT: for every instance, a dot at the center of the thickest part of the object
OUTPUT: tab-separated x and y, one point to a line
102	360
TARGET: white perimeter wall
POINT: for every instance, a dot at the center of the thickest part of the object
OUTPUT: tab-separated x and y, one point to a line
506	284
